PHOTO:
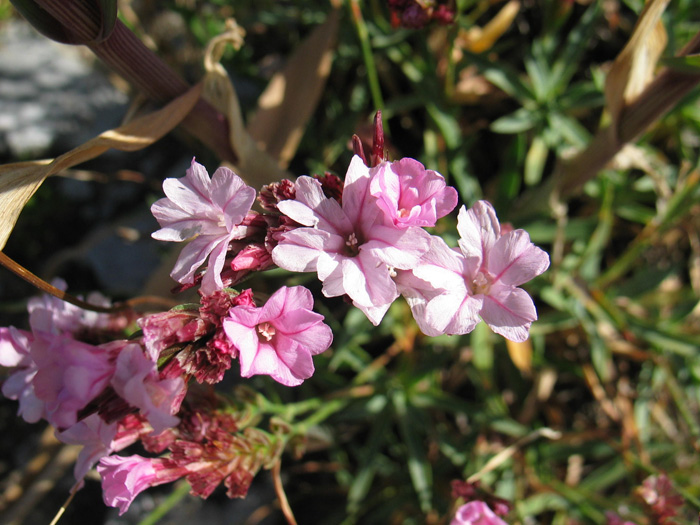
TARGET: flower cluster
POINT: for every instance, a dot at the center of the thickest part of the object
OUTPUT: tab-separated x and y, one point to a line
107	381
416	14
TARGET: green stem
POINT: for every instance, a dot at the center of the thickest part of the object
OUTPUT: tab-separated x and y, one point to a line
326	410
367	55
180	491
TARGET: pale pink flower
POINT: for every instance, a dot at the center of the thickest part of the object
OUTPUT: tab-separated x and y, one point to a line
70	374
165	329
613	519
476	513
349	246
663	500
449	290
207	211
124	478
410	195
280	338
60	316
99	439
14	353
136	381
95	435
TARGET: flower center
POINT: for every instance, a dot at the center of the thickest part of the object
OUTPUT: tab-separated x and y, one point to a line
481	284
403	213
266	330
352	244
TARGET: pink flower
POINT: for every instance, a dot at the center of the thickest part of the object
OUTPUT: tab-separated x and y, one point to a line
613	519
59	316
95	435
209	211
436	292
165	329
279	339
124	478
476	513
253	257
70	374
659	494
449	290
410	195
349	246
136	381
14	352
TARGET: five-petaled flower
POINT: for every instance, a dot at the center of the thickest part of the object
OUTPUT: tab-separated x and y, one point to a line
208	211
449	290
279	338
476	513
350	246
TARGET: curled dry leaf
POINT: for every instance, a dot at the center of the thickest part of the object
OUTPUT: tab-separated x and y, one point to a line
267	145
292	95
479	39
253	164
634	67
521	355
19	181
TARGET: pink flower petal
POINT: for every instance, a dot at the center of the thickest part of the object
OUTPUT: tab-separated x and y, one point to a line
476	513
478	228
514	260
509	312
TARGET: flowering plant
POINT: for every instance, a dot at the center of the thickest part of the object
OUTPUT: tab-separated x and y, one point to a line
366	241
381	332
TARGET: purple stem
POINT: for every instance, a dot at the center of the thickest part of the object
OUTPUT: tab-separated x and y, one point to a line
125	54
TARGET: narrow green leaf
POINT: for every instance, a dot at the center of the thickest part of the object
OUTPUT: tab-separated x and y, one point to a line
418	466
365	474
535	160
686	64
520	120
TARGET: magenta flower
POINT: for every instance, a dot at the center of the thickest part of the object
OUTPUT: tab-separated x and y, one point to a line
476	513
349	246
279	339
124	478
136	381
410	195
208	211
449	290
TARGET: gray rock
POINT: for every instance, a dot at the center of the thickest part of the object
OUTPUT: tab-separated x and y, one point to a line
52	96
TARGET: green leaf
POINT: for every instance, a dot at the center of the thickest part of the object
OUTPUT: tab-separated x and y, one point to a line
539	78
685	64
448	125
569	129
362	483
535	160
516	122
419	468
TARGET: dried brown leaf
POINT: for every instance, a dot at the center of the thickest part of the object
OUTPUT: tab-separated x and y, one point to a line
253	164
634	67
292	95
478	40
521	355
18	182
